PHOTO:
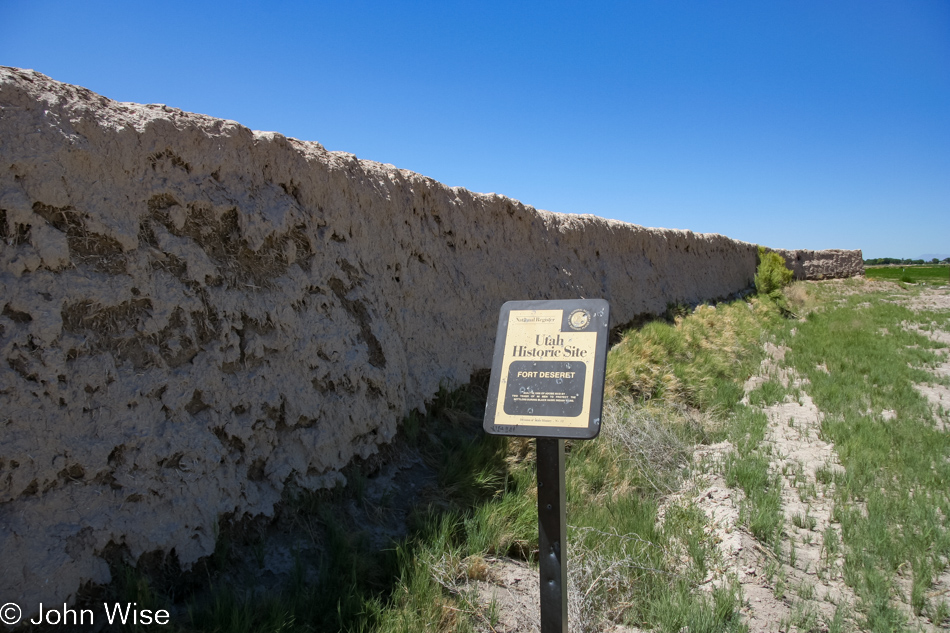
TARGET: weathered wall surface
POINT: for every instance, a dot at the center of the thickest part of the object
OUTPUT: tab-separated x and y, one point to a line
829	264
192	314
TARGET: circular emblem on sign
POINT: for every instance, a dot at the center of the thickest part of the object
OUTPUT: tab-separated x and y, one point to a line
579	319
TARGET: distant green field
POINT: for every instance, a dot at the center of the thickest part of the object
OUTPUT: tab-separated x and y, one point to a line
910	274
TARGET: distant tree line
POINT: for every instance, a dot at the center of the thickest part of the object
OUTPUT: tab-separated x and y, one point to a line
883	261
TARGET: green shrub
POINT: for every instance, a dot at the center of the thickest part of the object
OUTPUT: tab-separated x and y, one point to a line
772	275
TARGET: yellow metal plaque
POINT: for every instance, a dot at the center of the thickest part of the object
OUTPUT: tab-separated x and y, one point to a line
547	376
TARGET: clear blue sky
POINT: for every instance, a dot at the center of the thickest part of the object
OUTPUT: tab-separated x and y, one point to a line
805	124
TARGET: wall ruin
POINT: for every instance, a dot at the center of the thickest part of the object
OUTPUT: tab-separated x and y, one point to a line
194	314
827	264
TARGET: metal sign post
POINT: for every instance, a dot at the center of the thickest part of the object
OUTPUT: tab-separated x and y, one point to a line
547	382
552	535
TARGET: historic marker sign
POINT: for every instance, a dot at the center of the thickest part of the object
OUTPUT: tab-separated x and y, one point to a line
547	381
547	376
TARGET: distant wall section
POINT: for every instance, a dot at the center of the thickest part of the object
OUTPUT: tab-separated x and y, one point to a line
828	264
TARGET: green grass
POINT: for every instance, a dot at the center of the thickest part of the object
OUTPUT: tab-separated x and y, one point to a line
935	275
768	393
748	469
872	365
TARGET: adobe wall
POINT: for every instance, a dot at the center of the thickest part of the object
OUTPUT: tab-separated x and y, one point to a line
193	314
827	264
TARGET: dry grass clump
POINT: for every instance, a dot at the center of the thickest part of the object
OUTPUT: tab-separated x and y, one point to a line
694	361
797	295
652	440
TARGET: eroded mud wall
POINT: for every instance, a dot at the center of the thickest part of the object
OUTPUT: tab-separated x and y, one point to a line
193	314
828	264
